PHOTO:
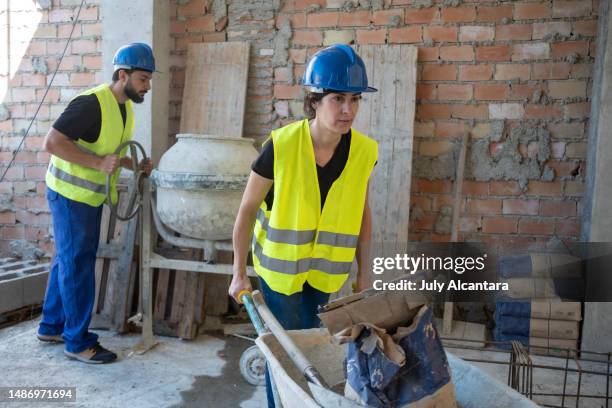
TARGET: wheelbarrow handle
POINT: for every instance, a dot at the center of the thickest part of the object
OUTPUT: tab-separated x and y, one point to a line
262	312
247	299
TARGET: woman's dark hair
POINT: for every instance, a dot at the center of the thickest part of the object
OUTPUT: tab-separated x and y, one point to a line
116	73
309	100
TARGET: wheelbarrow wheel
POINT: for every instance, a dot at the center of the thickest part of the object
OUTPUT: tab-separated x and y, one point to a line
253	366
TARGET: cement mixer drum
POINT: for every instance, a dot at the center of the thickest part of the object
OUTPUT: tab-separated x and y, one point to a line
199	183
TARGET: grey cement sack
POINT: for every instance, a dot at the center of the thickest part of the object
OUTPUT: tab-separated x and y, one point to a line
531	288
556	310
540	266
554	329
553	309
553	347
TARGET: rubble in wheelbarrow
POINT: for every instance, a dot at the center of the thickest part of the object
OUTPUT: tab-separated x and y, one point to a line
405	367
394	356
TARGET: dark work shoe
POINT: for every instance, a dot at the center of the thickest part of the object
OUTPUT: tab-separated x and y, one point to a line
93	355
50	338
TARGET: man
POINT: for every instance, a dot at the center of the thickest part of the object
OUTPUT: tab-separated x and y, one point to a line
81	143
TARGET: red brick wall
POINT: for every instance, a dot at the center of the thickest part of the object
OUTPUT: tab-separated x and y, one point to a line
23	209
480	65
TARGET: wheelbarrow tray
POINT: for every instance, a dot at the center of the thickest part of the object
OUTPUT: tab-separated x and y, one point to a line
473	388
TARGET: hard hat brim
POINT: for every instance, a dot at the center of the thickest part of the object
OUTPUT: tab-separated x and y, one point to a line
116	67
315	89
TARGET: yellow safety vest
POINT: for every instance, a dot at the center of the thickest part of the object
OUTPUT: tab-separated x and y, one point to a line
85	184
294	241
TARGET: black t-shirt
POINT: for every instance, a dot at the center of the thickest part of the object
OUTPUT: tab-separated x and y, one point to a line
264	166
82	118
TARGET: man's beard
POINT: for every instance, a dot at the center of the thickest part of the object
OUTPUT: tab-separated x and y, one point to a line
131	93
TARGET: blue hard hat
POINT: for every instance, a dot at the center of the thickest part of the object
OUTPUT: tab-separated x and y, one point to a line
134	56
336	68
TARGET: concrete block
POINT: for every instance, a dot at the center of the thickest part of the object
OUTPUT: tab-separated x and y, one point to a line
22	283
34	287
11	294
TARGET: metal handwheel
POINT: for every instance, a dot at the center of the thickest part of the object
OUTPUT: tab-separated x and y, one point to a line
135	185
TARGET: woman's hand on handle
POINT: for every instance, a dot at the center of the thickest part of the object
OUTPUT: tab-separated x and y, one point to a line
240	284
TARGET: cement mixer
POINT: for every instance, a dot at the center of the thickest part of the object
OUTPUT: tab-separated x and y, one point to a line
199	184
191	201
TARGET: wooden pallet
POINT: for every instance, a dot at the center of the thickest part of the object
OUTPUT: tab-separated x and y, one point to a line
178	297
116	270
20	315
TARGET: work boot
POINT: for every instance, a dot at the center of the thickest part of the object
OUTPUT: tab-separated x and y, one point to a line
93	355
50	338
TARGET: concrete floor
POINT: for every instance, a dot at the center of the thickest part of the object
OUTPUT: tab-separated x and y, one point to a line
176	373
199	373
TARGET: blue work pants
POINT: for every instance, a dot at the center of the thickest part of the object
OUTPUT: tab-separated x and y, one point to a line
71	289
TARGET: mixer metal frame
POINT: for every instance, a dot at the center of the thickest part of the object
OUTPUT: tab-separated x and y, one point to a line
151	228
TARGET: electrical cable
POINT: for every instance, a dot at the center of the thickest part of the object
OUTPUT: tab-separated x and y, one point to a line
76	19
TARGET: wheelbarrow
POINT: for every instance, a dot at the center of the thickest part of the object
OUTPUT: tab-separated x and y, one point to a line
306	368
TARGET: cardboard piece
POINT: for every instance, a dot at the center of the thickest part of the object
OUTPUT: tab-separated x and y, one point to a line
384	309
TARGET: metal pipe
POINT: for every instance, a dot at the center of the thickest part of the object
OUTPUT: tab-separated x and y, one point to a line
608	380
553	394
465	347
506	343
565	378
544	367
165	233
579	382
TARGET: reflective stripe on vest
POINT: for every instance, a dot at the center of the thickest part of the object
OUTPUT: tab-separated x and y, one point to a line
296	242
86	184
306	237
69	178
301	265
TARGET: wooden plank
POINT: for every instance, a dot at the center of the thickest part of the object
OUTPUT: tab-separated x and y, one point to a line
214	100
118	270
132	293
388	117
216	298
158	261
100	261
115	274
122	276
187	328
447	323
161	294
458	193
200	310
447	326
178	295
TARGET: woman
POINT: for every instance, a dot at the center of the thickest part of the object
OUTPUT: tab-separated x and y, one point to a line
305	204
